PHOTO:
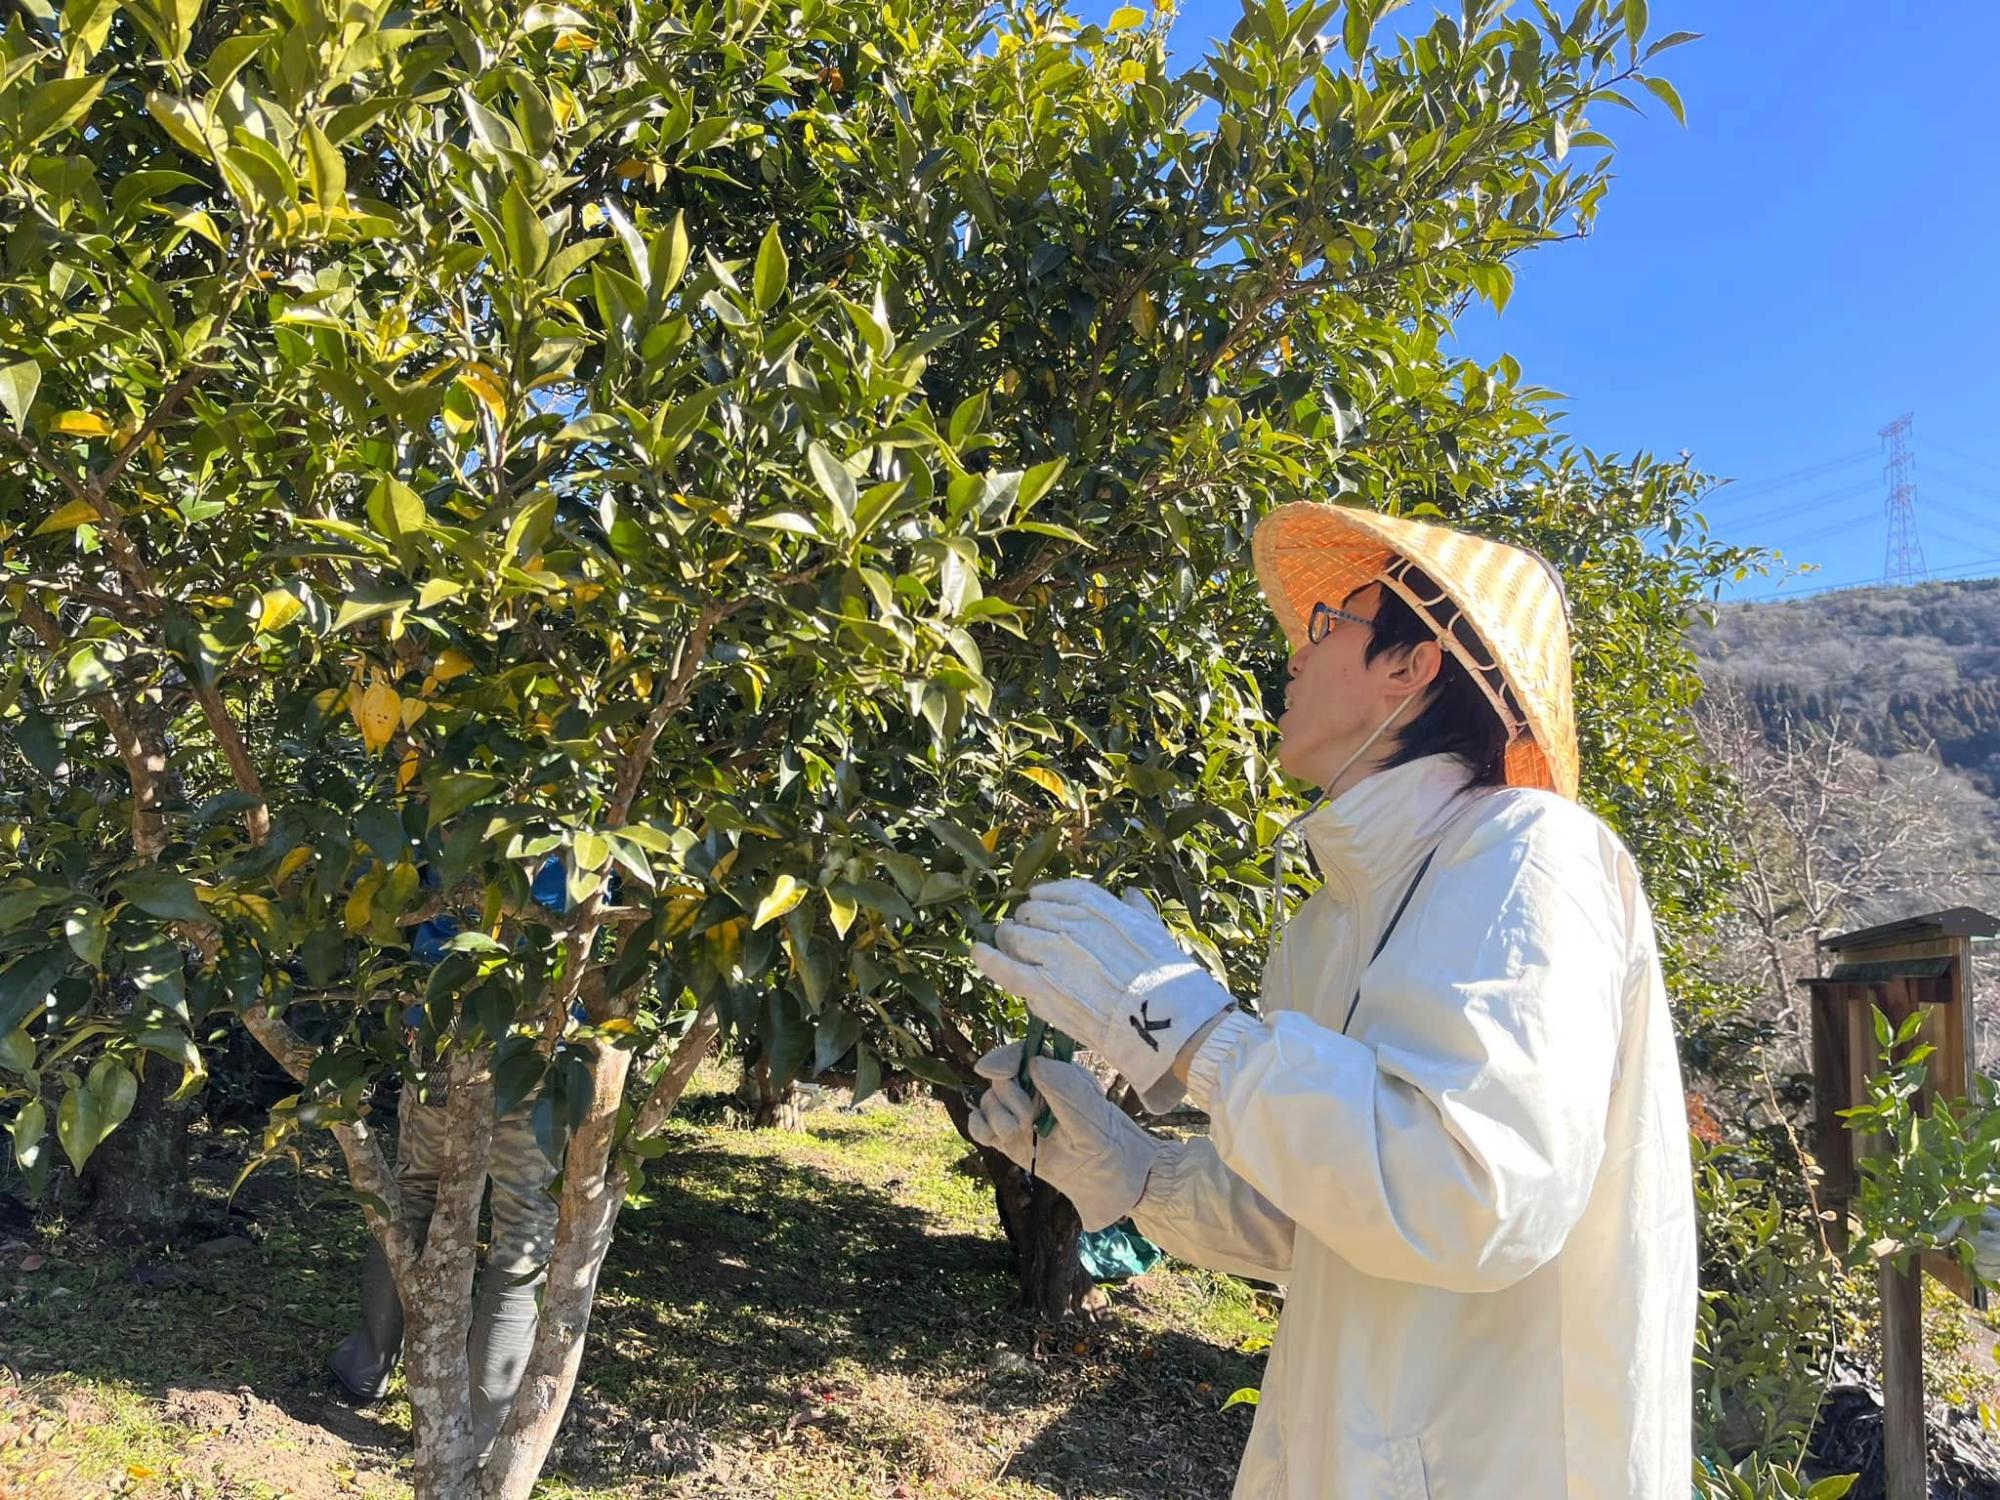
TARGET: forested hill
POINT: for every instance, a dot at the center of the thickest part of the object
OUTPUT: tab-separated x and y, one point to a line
1902	668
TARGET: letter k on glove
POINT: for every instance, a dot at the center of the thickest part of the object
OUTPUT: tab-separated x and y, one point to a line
1110	974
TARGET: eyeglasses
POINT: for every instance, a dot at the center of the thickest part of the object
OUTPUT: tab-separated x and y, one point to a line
1320	626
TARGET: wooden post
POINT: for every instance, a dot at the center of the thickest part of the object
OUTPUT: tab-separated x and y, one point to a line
1904	1457
1833	1142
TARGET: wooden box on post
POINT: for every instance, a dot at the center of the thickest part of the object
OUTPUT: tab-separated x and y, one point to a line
1916	965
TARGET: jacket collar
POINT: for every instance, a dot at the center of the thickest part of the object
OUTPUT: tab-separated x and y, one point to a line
1372	832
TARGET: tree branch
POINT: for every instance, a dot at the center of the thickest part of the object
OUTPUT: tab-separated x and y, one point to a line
676	694
163	408
257	819
673	1080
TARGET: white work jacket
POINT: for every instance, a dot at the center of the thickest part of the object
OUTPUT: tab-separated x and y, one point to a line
1479	1197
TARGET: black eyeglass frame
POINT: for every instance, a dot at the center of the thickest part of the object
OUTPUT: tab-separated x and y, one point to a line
1320	625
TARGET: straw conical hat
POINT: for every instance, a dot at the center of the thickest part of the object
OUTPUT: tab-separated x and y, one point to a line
1502	614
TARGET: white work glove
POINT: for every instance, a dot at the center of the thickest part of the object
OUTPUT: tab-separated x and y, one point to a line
1096	1155
1110	974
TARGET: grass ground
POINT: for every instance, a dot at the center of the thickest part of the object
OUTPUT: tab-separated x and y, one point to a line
821	1314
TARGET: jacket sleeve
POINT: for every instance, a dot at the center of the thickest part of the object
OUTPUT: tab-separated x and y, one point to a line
1459	1147
1199	1210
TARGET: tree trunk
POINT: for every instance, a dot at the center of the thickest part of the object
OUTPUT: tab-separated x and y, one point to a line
1042	1227
593	1191
1045	1232
768	1106
437	1294
137	1180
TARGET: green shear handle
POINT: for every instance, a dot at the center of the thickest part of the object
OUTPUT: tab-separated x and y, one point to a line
1060	1047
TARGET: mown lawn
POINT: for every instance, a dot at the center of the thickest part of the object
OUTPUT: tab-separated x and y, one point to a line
821	1314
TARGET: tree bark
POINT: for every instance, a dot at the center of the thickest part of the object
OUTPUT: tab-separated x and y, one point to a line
765	1102
137	1180
437	1295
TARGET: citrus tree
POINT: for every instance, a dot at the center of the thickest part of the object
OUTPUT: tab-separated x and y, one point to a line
786	472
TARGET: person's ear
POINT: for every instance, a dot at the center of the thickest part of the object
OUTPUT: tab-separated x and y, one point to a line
1418	669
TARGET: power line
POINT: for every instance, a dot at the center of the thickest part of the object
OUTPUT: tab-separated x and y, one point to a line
1942	575
1964	458
1976	486
1732	489
1803	507
1836	529
1958	539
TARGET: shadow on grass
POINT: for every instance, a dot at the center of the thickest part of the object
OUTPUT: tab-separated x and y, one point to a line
746	1287
745	1292
765	1271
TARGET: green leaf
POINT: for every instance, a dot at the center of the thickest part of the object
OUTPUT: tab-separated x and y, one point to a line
370	602
87	931
1635	21
877	896
1125	18
25	985
966	417
867	1073
567	261
773	271
170	23
963	840
455	791
86	23
671	256
1247	1396
326	168
1668	95
838	1030
396	511
958	581
162	892
1036	483
113	1090
17	1051
36	736
28	1128
1356	30
18	383
515	1079
177	1046
187	122
834	480
527	240
76	1126
592	850
59	102
529	528
87	672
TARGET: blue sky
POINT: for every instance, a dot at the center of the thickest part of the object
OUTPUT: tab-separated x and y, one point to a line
1816	254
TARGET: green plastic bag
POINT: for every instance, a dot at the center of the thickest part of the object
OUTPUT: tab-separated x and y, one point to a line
1118	1252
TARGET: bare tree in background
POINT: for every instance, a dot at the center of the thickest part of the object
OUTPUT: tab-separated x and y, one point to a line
1830	838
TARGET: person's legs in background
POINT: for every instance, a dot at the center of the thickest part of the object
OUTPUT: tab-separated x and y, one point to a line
524	1227
366	1360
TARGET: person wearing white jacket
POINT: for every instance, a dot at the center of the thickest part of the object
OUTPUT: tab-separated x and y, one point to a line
1454	1126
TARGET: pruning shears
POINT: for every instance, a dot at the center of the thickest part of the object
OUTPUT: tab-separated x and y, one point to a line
1062	1048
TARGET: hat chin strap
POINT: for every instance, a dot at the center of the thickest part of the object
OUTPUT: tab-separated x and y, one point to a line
1278	845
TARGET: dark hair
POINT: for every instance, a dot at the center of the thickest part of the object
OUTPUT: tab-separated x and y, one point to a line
1458	720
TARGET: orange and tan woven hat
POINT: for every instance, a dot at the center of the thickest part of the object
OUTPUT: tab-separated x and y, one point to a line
1501	612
